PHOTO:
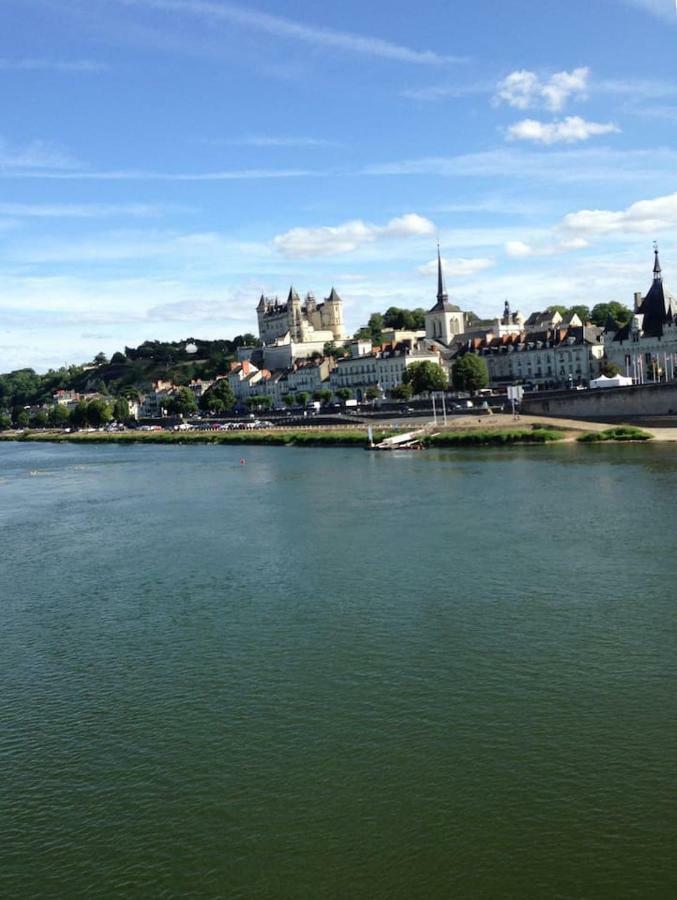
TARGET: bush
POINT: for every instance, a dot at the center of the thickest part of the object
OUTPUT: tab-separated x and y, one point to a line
617	433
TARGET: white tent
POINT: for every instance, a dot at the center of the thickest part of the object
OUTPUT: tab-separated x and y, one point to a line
614	381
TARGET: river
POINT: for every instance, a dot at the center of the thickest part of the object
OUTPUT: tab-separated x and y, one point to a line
324	673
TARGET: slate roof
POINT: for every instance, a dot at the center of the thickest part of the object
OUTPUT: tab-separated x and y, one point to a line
658	309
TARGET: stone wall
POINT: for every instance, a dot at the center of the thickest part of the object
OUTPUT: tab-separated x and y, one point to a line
605	404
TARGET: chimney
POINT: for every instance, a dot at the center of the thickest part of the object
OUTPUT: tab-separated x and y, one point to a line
638	300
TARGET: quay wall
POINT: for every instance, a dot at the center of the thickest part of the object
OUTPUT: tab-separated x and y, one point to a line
605	404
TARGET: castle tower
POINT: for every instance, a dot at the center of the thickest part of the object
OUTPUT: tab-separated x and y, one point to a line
332	315
294	316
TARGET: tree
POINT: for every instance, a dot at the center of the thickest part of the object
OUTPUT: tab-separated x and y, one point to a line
218	398
118	358
39	420
618	312
372	393
344	393
121	410
22	419
58	415
302	398
557	307
402	392
5	421
323	395
470	373
79	414
259	401
101	359
425	376
181	403
610	369
404	319
580	310
99	412
288	400
246	340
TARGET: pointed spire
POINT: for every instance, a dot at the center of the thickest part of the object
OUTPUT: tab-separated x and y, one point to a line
441	293
657	274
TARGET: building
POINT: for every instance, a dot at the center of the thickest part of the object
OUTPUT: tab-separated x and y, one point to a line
381	368
444	321
300	322
556	357
646	347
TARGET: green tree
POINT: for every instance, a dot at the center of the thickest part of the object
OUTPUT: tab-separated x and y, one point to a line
181	403
121	409
288	400
118	358
470	373
610	369
58	415
372	393
39	419
99	412
101	359
619	313
425	376
5	421
259	401
402	392
580	310
323	395
302	398
79	414
404	319
218	398
22	419
556	307
344	393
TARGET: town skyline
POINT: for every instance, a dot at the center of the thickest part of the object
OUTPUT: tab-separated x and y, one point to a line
181	158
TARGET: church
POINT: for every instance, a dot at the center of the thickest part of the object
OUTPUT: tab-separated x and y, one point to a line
444	321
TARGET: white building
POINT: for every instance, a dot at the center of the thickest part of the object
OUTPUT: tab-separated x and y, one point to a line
377	367
300	323
646	347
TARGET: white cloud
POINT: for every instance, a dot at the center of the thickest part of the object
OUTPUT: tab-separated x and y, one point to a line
643	217
524	89
570	130
448	91
328	240
518	249
289	29
460	267
597	165
662	9
38	155
79	211
27	167
51	65
270	140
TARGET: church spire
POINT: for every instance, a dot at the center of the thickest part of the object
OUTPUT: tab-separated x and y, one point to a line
657	273
441	293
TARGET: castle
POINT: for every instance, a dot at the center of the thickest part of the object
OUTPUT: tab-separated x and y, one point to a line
299	322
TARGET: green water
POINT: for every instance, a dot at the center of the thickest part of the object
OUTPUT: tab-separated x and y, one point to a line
334	674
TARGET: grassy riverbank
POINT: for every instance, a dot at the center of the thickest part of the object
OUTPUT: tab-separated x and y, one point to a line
329	437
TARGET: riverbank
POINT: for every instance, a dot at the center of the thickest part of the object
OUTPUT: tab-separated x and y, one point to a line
498	430
309	437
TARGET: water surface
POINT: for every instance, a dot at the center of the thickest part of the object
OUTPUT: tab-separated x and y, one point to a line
334	674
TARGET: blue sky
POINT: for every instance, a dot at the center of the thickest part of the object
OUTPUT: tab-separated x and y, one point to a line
163	162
